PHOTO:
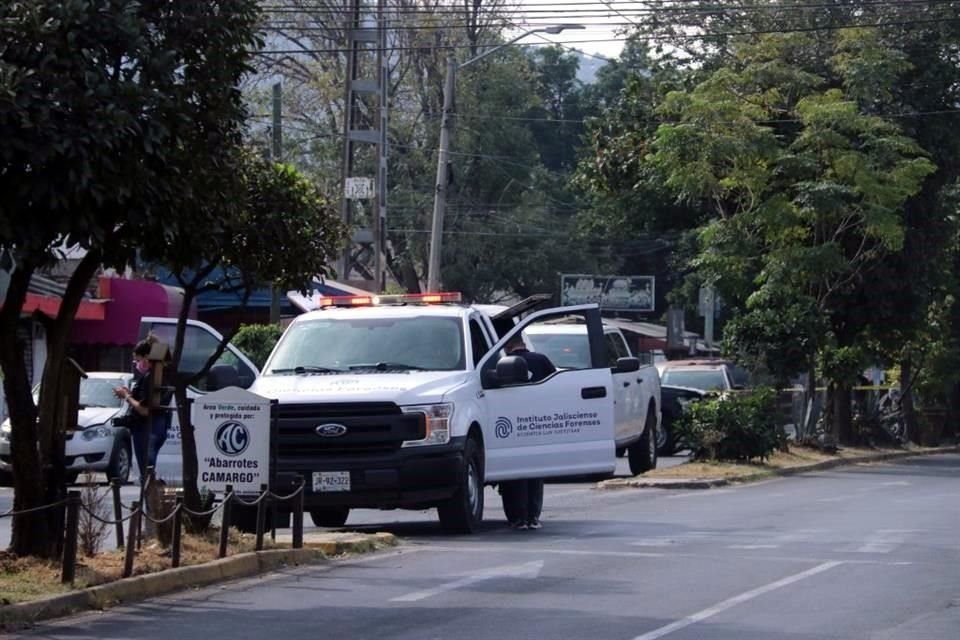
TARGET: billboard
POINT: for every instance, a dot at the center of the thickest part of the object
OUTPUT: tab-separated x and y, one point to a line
612	293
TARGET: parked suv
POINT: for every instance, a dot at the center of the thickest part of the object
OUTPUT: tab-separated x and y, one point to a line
707	375
95	445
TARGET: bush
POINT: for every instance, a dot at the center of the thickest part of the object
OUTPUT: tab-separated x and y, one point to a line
257	341
738	427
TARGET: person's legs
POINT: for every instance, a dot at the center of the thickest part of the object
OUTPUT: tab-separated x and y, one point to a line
514	495
534	502
158	435
139	438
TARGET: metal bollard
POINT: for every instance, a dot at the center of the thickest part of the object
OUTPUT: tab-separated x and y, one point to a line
261	516
117	511
177	527
298	517
70	541
131	540
225	521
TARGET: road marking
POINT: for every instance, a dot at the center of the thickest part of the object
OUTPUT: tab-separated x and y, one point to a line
734	601
884	541
700	492
753	546
525	570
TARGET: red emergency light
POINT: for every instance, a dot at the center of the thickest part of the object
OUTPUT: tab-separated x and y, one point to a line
403	298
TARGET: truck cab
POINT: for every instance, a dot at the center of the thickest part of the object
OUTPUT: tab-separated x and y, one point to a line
411	402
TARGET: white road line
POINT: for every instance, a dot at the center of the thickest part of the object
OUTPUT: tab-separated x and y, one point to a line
525	570
734	601
700	492
884	541
753	546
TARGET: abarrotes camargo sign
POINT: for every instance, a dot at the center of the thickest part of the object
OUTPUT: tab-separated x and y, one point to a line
232	430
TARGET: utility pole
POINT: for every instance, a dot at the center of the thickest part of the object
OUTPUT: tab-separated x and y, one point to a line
443	174
443	161
367	228
276	156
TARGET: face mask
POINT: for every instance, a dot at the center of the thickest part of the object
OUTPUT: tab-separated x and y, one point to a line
143	366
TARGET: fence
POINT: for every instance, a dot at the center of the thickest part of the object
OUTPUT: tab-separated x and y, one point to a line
137	516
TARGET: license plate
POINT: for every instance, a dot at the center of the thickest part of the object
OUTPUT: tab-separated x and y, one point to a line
329	481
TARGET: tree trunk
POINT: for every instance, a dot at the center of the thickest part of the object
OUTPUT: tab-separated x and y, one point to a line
30	532
809	419
843	414
906	400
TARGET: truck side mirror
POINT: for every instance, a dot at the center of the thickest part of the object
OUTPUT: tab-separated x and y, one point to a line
512	369
222	376
626	365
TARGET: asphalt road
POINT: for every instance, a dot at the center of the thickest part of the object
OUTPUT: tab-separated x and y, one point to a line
867	552
358	517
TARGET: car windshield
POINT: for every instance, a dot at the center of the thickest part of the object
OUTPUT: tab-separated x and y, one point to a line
370	345
98	392
564	350
95	392
705	379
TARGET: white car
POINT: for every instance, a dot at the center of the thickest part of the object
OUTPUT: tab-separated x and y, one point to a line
95	445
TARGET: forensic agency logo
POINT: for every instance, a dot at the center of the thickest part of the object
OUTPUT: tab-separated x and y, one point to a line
232	438
503	427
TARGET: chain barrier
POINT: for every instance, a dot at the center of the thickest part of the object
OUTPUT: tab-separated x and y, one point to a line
204	514
104	521
169	516
251	503
291	496
59	503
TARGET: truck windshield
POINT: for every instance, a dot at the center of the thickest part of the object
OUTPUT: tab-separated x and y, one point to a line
370	345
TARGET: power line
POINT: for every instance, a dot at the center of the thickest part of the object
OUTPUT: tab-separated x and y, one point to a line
704	36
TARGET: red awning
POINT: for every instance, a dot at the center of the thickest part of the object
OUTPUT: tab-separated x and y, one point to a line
50	306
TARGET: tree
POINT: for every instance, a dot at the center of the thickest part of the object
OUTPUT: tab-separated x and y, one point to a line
917	36
106	104
278	230
807	192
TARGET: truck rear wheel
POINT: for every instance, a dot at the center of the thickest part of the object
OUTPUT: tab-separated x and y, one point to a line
643	452
330	516
463	512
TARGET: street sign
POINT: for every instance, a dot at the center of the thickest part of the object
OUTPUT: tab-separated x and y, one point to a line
612	293
358	188
232	430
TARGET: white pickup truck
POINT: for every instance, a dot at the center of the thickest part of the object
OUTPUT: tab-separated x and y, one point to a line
392	402
636	393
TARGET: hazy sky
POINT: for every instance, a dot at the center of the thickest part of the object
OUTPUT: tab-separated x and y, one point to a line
602	21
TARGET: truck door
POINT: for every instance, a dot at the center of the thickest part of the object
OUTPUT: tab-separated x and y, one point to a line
629	415
562	425
200	342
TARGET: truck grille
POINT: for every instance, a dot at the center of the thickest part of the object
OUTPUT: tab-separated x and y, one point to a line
371	427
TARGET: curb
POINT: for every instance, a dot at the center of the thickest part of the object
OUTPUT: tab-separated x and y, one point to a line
709	483
149	585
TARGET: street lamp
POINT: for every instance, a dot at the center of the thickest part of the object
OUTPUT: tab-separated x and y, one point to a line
440	196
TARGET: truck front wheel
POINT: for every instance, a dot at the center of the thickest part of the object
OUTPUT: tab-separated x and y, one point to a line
330	516
643	452
463	512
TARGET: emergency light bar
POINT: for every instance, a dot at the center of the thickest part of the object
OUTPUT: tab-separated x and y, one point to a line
403	298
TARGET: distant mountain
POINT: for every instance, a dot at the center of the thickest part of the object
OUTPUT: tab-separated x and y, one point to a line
589	65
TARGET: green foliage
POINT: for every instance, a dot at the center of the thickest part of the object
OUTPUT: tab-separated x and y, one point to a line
740	427
257	341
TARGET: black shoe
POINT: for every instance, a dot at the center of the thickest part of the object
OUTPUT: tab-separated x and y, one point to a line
534	524
519	526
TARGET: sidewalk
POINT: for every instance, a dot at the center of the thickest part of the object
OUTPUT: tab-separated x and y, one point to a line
752	473
318	548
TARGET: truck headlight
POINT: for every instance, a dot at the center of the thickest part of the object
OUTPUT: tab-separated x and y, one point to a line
436	420
92	433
